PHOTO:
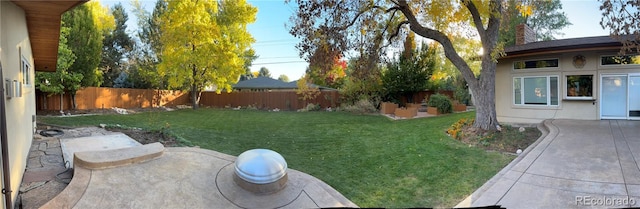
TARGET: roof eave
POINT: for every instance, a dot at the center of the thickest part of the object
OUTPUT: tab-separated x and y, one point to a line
43	23
562	49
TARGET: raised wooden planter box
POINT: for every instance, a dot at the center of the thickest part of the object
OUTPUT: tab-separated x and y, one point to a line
433	111
406	112
459	107
414	105
388	108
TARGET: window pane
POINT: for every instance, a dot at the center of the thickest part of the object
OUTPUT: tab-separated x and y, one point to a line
517	89
553	90
620	60
579	85
26	72
535	91
535	64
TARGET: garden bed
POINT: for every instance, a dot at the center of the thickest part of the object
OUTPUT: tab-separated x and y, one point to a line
147	137
509	139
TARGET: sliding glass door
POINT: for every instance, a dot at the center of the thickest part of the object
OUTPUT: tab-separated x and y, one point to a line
613	97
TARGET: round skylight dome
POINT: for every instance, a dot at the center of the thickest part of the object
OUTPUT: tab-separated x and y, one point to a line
260	166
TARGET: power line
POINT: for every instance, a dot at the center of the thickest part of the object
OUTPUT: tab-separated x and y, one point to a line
277	40
273	63
290	57
275	44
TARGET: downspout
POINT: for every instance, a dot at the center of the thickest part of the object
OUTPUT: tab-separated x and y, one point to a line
4	145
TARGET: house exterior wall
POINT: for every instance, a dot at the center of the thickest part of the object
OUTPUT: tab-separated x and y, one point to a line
508	112
14	47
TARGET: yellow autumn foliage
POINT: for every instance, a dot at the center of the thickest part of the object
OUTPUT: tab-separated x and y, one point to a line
204	41
102	17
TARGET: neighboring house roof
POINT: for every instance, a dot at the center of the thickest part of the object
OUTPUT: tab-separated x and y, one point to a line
270	83
43	22
562	45
261	83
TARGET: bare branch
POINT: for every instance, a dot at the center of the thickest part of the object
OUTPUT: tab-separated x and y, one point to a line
353	21
621	17
476	18
449	50
398	29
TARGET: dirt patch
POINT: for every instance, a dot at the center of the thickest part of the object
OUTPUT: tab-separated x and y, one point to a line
147	137
507	139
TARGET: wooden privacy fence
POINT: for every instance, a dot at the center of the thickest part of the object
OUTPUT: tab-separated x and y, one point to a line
419	96
100	97
284	100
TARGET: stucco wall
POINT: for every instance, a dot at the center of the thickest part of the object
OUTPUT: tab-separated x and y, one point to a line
14	45
566	109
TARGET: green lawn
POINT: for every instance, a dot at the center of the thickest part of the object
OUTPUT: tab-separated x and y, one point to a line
372	160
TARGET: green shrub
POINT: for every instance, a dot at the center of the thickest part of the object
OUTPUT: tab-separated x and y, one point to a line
462	95
354	90
442	102
361	106
310	107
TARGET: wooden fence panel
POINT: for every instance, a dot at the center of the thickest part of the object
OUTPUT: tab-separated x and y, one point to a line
284	100
100	97
418	97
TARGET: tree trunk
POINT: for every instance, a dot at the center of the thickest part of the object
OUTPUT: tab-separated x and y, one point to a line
409	96
484	98
73	101
61	102
194	96
44	101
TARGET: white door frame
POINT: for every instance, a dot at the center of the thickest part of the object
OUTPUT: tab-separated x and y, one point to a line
629	117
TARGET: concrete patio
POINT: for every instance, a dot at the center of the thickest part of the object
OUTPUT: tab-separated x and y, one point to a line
577	164
152	176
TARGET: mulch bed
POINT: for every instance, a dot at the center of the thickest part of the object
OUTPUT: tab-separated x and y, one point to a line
147	137
510	139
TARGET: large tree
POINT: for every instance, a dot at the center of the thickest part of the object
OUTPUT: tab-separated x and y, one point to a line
410	73
87	25
116	46
341	22
283	78
545	17
85	40
204	42
326	67
145	56
622	18
249	57
264	72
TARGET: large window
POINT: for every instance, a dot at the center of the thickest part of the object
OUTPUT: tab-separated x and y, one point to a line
579	87
532	64
535	90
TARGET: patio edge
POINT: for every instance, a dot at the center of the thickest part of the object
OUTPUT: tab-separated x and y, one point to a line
545	128
118	157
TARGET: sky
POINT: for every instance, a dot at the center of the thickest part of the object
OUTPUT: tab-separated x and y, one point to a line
276	47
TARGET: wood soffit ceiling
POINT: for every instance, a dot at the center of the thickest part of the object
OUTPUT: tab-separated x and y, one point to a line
43	22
